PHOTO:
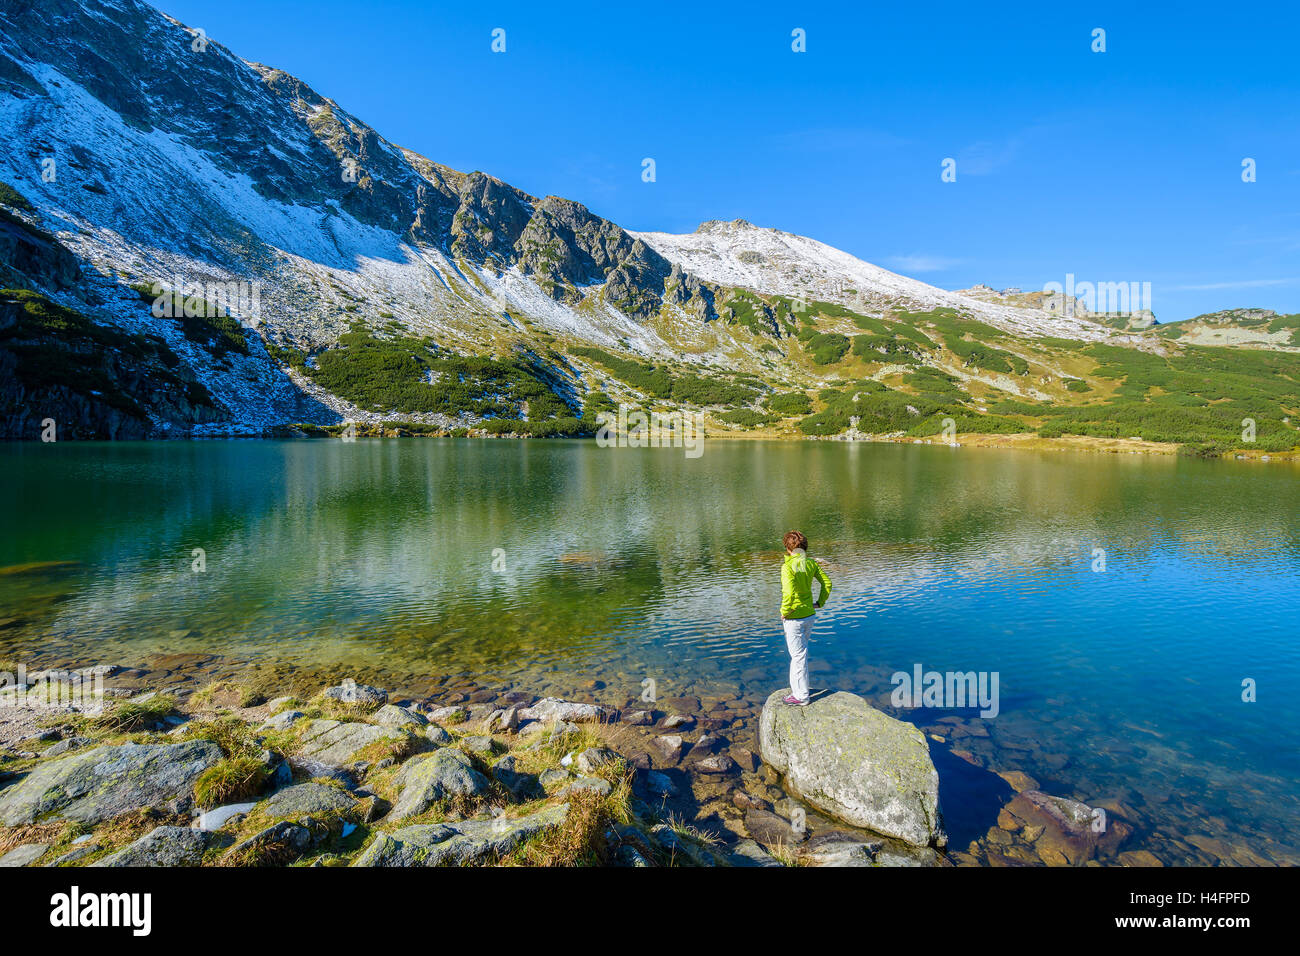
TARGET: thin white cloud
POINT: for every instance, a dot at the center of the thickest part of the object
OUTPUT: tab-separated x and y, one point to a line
984	158
1291	241
987	156
1242	284
920	262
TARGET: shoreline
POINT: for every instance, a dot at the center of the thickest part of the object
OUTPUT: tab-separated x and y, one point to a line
1019	441
708	786
614	759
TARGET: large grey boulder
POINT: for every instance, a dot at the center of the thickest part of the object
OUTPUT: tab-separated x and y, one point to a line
445	774
106	782
360	695
550	709
307	799
337	743
165	846
851	761
390	715
24	855
456	844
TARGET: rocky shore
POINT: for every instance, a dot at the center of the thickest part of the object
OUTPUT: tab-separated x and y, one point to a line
350	777
353	775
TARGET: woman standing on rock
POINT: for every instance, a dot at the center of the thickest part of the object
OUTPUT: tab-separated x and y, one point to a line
798	610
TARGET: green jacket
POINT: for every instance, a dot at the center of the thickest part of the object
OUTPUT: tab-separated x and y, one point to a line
797	573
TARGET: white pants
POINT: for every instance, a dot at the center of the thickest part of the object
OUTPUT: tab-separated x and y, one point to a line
796	642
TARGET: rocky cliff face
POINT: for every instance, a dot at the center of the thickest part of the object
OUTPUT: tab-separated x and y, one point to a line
301	149
150	152
62	376
30	256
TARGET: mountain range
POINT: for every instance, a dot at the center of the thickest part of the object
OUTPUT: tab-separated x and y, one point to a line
194	244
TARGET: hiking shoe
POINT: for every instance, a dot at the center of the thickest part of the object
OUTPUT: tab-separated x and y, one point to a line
795	701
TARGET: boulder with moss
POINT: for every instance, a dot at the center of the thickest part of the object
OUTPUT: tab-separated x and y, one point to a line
337	743
275	845
106	782
460	843
165	846
390	715
308	799
851	761
445	774
25	855
449	715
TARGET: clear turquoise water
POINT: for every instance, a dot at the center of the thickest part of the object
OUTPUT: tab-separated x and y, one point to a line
626	564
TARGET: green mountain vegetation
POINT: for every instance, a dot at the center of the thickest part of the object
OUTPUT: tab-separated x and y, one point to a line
905	375
403	374
913	374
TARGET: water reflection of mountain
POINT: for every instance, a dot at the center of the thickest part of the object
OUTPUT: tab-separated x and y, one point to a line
612	565
469	548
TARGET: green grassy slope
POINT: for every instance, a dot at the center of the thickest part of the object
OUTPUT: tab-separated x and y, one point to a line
818	369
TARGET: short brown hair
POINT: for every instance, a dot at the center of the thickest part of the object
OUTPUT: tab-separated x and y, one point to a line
794	540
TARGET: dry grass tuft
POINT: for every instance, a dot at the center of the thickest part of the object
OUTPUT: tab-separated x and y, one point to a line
578	841
50	833
230	780
133	715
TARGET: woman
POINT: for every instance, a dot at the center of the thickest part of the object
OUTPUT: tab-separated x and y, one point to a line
798	610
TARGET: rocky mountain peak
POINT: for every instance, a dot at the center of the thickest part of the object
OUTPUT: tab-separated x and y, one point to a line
715	226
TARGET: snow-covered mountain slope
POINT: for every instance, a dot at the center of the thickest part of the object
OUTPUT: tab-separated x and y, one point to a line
156	155
183	161
770	261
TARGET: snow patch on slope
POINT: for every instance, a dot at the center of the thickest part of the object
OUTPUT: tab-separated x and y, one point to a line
318	270
780	263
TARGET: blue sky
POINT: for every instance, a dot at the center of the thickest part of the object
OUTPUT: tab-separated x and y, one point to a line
1119	166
